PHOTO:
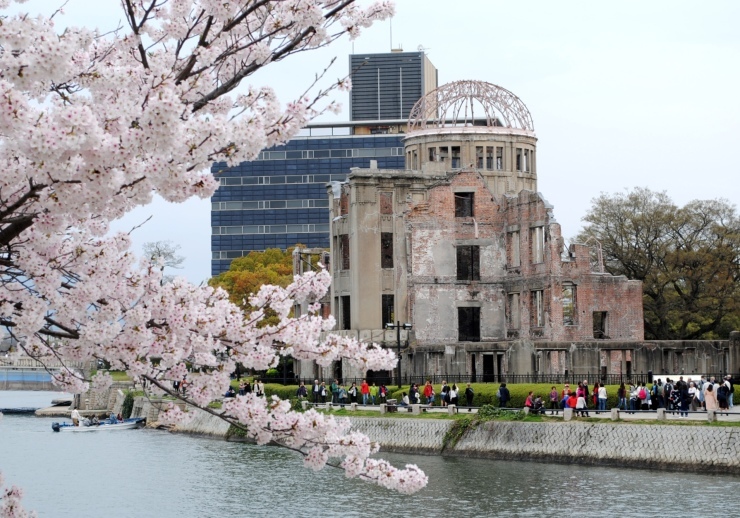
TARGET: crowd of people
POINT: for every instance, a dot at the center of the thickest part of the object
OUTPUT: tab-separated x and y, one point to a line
676	396
339	394
374	394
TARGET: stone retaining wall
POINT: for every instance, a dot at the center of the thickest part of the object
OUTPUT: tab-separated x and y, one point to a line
203	423
664	446
411	435
604	443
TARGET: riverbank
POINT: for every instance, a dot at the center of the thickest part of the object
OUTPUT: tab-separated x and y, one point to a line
661	446
598	441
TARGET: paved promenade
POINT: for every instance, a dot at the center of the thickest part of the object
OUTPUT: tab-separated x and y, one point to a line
733	415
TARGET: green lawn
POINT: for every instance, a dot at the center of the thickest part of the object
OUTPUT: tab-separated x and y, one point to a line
119	376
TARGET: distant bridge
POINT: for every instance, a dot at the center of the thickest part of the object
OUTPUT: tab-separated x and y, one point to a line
28	374
25	378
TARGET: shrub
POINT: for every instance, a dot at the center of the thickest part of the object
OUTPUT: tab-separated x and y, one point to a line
281	391
490	412
485	393
128	405
459	428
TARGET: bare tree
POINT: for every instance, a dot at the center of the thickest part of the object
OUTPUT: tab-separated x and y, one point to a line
164	252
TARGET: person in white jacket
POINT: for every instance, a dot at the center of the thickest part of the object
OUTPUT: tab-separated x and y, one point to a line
602	398
76	417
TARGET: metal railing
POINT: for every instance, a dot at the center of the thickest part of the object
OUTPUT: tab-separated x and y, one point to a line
462	379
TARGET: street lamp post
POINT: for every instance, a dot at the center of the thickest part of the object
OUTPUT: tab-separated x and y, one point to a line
397	326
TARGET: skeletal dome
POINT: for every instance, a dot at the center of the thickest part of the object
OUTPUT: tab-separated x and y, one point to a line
470	103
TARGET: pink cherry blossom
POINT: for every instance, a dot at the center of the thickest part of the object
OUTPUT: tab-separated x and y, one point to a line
93	125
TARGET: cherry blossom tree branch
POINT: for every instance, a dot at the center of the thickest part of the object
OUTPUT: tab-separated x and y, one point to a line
93	125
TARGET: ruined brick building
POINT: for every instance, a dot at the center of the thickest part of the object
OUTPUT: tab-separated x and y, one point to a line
460	246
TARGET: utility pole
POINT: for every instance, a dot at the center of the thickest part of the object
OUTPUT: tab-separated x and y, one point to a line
397	326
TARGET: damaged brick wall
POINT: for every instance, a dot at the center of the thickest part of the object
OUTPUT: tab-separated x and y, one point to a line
435	234
520	227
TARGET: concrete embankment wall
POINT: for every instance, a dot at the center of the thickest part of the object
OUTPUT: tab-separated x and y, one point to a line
203	423
662	446
408	435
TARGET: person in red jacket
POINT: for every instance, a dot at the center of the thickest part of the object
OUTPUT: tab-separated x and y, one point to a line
365	391
572	401
429	393
529	403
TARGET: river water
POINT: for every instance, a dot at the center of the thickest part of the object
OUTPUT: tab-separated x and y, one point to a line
142	473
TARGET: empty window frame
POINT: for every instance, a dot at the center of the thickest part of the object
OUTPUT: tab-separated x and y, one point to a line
499	158
468	324
432	154
527	161
344	251
569	305
346	312
455	157
386	250
512	249
600	324
538	308
388	310
513	313
519	159
464	204
484	157
538	244
468	263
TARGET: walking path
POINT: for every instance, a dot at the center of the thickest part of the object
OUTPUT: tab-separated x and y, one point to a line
733	415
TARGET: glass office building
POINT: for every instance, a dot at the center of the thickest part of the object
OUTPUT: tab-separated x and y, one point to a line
280	199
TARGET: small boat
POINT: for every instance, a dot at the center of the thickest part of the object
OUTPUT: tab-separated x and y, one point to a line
133	422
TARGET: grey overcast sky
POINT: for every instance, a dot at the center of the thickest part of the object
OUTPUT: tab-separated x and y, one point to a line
623	93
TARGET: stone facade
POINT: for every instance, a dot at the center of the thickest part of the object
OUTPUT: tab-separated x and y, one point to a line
523	272
461	248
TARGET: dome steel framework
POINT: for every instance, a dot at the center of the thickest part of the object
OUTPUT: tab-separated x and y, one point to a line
459	103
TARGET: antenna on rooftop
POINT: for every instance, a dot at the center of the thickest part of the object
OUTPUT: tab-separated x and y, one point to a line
390	23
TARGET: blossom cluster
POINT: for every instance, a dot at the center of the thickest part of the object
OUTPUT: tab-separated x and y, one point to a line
321	438
93	125
10	502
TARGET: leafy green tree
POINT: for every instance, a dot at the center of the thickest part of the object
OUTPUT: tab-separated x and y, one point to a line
688	259
247	274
